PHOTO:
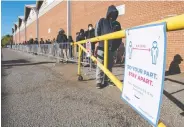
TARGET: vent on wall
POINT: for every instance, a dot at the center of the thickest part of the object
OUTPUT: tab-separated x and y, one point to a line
49	30
121	9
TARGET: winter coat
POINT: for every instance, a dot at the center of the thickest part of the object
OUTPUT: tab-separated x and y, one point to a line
105	25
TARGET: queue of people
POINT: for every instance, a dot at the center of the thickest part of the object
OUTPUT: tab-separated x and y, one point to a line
105	25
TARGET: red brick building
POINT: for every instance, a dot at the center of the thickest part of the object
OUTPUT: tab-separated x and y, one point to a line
53	14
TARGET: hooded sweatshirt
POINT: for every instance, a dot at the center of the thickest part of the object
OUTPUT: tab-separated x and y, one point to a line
105	25
81	35
61	37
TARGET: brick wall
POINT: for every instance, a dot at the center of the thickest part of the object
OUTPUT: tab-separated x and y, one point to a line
22	36
53	19
18	36
136	13
31	31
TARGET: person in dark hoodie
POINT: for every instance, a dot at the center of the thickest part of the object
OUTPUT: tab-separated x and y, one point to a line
41	41
77	36
36	41
77	39
70	40
80	38
105	26
62	39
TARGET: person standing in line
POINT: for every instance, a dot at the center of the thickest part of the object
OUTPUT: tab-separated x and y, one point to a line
41	41
58	41
62	40
105	26
36	41
82	37
77	39
54	51
70	40
90	33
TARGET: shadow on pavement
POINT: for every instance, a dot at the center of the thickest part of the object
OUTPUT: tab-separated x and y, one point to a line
175	81
119	65
182	113
89	79
174	67
174	100
15	61
177	91
24	64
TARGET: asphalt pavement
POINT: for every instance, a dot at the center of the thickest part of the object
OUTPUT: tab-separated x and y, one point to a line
38	92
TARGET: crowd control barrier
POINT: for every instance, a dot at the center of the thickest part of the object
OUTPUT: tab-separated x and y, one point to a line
61	51
173	23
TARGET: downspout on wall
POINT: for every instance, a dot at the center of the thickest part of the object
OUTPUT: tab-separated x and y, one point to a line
68	18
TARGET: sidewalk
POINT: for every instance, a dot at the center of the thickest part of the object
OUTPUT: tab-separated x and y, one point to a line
172	108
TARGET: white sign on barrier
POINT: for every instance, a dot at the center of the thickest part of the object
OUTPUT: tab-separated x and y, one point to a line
88	48
145	70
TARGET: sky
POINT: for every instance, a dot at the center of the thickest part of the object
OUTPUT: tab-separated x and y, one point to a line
10	10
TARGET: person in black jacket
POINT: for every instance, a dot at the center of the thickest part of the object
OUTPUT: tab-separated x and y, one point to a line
81	35
62	39
105	26
77	39
31	41
36	41
90	33
77	36
70	40
59	38
41	41
80	38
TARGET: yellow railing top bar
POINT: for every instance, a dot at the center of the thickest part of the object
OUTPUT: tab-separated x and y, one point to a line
173	23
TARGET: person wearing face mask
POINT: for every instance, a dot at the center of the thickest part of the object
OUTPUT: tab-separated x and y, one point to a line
105	26
90	33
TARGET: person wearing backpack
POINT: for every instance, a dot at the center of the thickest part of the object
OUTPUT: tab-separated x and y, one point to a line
105	26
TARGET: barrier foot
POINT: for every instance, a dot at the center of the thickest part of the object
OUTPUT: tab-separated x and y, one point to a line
80	78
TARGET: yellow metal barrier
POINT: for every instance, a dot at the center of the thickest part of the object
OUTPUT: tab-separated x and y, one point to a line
79	61
106	54
173	23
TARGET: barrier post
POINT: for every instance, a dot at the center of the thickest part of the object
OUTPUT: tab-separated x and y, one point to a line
105	53
79	62
80	78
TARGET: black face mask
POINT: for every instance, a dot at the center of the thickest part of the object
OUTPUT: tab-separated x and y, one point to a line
113	16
